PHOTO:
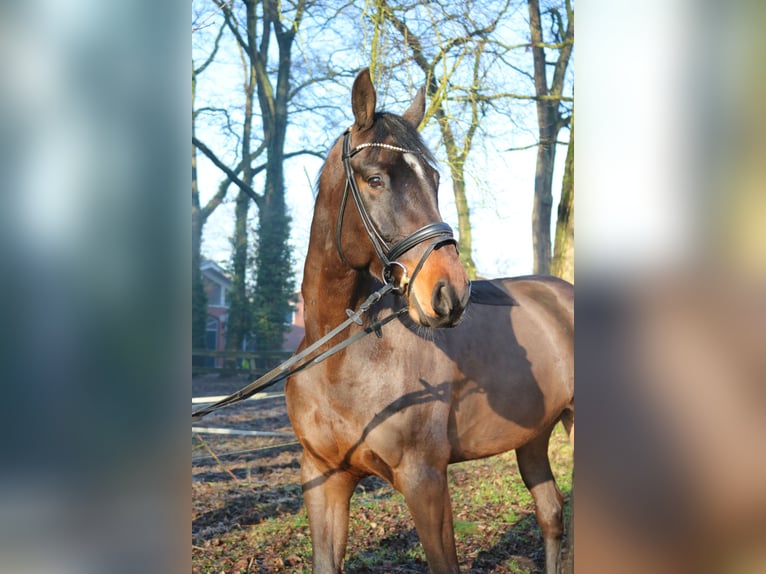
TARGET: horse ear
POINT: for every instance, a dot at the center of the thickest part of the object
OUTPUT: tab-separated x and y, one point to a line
417	109
363	100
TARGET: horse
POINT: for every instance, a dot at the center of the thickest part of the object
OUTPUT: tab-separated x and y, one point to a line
465	371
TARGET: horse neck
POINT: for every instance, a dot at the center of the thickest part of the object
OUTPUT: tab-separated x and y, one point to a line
329	286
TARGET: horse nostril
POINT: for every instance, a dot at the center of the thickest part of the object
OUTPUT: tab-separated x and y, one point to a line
443	299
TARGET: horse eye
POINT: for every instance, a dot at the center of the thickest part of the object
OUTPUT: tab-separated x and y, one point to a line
375	182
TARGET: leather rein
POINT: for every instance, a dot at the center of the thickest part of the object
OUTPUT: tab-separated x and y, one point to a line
438	233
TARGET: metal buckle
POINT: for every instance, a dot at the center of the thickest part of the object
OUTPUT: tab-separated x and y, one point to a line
389	279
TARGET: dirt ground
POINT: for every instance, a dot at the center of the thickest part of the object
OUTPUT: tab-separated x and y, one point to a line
248	514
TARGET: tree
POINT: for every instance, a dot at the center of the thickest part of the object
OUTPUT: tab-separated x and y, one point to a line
200	215
453	71
550	118
262	32
239	322
274	283
563	254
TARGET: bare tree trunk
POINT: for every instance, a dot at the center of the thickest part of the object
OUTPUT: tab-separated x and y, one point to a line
563	256
542	204
239	322
550	122
275	283
546	149
456	161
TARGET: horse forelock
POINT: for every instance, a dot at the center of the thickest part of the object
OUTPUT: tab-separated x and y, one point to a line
387	128
394	129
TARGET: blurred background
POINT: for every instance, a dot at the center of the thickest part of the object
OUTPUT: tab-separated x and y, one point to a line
671	262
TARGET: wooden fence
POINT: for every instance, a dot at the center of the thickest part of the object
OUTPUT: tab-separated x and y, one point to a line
251	363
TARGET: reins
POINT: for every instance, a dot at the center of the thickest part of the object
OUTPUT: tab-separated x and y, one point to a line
437	233
293	364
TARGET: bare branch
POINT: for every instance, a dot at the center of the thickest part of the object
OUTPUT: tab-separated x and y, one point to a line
557	85
203	23
216	110
233	176
534	145
210	58
231	22
216	200
228	171
504	95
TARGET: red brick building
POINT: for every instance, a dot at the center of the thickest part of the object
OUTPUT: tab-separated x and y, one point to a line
297	326
217	285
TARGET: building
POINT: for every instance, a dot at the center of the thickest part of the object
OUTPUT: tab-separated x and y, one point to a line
297	326
217	285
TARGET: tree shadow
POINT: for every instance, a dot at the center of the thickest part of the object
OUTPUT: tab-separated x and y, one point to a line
375	488
393	554
522	542
247	509
428	393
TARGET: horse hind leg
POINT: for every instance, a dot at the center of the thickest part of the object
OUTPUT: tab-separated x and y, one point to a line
567	566
536	473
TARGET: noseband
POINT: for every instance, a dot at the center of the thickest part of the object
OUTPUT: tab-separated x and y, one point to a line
439	233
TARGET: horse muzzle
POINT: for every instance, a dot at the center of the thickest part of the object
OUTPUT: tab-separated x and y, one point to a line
449	303
440	295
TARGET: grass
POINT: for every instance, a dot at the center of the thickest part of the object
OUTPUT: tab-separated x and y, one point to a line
495	529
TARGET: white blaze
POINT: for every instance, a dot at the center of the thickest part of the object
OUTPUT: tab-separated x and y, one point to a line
413	162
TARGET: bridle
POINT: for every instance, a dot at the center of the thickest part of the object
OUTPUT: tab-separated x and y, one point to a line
438	233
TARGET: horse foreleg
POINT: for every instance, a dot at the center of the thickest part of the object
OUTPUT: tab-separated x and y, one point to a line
327	493
536	472
427	495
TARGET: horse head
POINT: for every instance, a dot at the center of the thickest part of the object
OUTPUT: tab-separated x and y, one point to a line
391	227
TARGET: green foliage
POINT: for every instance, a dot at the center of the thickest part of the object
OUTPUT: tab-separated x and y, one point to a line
465	527
239	323
275	280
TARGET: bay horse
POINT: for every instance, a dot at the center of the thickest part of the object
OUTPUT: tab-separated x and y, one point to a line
452	379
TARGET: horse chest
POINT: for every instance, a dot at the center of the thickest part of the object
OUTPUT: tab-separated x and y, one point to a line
367	418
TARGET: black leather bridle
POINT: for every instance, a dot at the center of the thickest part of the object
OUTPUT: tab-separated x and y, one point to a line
438	233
